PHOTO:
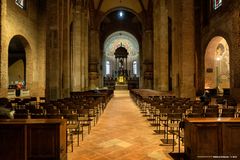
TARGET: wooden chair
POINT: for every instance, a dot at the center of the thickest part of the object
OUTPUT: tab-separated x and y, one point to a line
21	114
74	128
37	114
228	112
212	111
84	119
53	113
179	132
172	126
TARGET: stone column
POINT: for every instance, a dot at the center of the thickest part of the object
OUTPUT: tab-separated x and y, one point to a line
186	57
94	59
54	55
85	51
235	56
80	48
160	41
3	57
146	75
66	50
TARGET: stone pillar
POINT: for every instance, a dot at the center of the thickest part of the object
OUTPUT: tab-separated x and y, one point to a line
58	56
94	59
186	57
3	88
235	56
66	79
79	76
176	46
84	44
146	75
57	44
160	41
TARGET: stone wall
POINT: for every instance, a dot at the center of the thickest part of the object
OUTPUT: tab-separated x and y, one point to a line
224	22
27	24
174	48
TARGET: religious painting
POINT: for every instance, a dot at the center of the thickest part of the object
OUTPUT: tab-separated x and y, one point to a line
217	70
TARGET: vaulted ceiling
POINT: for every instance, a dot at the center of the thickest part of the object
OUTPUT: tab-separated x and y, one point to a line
135	5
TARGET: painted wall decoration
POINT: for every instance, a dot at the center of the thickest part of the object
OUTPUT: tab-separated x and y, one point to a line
217	60
116	40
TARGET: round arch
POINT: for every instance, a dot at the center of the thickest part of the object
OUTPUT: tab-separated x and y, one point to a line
128	41
18	61
217	68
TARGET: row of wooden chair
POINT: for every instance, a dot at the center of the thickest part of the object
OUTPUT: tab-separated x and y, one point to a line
79	111
168	112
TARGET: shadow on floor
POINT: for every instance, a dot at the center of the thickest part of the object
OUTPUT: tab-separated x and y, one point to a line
177	156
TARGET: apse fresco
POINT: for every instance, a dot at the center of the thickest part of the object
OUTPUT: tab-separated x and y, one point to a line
116	40
119	39
217	71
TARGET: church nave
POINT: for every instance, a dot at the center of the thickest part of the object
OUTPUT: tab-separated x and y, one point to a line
121	133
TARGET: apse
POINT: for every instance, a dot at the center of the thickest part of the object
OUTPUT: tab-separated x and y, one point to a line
121	39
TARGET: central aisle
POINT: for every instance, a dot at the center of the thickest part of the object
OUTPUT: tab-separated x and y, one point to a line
121	133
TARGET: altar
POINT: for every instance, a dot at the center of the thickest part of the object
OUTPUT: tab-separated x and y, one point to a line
120	86
121	83
121	79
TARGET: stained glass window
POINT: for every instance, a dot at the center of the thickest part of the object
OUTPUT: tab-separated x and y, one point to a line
21	3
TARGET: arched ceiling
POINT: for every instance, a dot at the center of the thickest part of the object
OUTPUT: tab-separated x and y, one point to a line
136	5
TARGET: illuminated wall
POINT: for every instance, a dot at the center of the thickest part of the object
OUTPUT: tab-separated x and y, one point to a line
217	71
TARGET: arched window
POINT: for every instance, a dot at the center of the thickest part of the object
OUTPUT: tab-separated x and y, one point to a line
107	67
135	67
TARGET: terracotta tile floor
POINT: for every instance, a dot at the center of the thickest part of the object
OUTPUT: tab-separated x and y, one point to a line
122	133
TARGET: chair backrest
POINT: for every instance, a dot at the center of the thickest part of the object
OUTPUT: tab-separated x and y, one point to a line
195	115
21	114
38	113
72	119
228	112
175	116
